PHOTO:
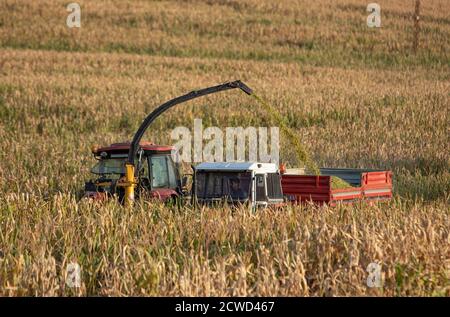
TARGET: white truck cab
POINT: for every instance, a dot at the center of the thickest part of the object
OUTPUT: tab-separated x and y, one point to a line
252	183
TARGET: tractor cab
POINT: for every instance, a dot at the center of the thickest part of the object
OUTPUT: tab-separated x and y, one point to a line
248	183
156	173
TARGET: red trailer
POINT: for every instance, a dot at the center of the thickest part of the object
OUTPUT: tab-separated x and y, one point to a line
366	184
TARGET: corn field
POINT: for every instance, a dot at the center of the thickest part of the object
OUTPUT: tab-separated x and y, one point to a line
355	96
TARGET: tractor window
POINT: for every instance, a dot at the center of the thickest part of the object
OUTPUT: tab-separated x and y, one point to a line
109	166
172	171
274	186
159	170
163	174
143	168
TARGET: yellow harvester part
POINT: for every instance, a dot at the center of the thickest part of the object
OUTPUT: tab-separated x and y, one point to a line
129	188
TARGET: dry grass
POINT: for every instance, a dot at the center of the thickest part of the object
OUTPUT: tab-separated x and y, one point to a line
356	97
153	250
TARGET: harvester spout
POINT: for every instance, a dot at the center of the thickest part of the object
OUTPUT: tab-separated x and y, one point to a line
129	190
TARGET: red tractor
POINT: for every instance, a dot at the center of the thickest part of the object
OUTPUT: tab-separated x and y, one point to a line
158	174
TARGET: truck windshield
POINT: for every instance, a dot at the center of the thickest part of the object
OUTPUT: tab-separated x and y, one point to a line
109	166
233	185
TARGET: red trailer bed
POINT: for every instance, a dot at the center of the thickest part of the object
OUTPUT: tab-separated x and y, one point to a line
366	184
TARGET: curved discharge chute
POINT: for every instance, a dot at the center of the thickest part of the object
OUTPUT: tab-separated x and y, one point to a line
134	146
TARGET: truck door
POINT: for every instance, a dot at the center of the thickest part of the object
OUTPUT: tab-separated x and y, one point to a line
260	190
273	185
